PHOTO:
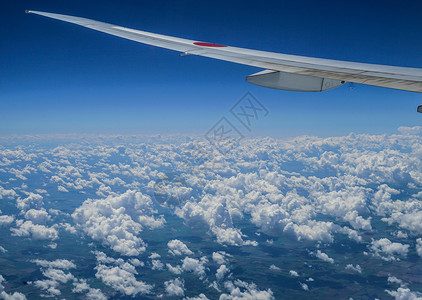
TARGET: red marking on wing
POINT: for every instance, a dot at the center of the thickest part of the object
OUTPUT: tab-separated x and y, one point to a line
208	44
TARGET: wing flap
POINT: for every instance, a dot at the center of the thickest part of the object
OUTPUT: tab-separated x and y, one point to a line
292	82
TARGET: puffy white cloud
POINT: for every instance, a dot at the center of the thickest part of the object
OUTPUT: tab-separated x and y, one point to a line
6	220
56	212
151	222
175	270
395	280
51	285
175	287
102	258
313	230
323	256
221	272
231	236
177	247
274	268
415	130
117	220
37	216
293	273
304	286
81	286
419	246
8	194
122	280
404	294
199	297
120	275
63	264
401	235
154	255
243	290
6	296
69	228
37	232
52	245
32	201
387	250
95	294
157	265
136	262
218	216
219	257
57	275
62	189
53	271
410	221
171	193
196	266
214	285
356	268
41	191
346	204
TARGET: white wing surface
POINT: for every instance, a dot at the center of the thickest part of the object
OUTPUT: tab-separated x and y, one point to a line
282	71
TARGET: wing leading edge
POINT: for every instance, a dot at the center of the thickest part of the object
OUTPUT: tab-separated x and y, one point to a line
288	68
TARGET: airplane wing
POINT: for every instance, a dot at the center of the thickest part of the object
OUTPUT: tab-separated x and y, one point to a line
282	71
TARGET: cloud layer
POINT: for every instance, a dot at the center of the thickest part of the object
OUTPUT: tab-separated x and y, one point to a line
358	193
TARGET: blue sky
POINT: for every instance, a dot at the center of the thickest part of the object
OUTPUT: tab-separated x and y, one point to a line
61	78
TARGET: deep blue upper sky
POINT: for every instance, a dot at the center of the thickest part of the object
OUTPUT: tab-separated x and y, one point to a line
60	78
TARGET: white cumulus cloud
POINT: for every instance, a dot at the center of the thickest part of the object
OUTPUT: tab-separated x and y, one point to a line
177	247
6	296
323	256
243	290
117	220
175	287
388	250
356	268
